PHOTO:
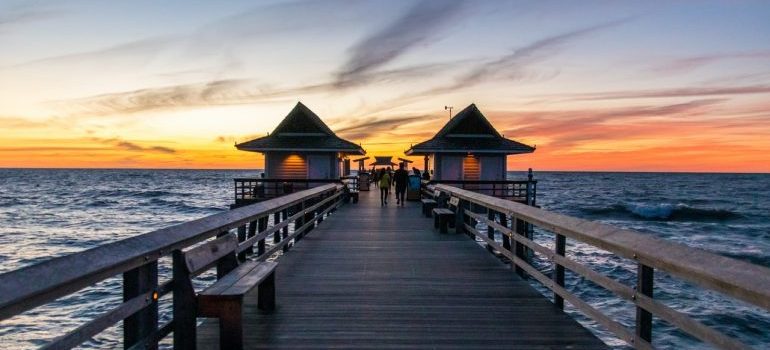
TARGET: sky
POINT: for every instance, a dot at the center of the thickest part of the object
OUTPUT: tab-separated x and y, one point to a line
595	86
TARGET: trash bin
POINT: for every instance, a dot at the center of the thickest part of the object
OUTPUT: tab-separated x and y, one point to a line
363	181
413	188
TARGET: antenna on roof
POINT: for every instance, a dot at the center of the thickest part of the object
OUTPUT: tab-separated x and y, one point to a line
449	108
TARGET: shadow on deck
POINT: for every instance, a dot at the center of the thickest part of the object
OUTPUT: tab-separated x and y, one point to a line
373	277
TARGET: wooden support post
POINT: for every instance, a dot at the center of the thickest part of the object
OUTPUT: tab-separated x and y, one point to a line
251	233
518	248
506	239
460	217
490	229
285	230
321	209
299	222
276	221
231	325
261	226
143	323
241	238
558	270
184	304
309	217
644	285
266	293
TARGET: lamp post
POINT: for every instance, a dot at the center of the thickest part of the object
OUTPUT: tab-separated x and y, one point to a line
449	108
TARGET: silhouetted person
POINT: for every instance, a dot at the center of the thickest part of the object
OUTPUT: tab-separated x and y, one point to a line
401	178
416	171
390	174
426	176
384	183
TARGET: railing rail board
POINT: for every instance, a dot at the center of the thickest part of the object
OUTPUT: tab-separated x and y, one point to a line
137	257
732	277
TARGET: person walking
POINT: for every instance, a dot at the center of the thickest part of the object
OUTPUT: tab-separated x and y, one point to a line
384	183
401	178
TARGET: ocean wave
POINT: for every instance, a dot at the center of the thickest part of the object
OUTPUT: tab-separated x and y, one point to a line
665	211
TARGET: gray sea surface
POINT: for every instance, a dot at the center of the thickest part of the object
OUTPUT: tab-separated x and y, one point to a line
45	213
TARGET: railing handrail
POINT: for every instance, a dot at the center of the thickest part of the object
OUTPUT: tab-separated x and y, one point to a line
35	285
482	182
736	278
257	179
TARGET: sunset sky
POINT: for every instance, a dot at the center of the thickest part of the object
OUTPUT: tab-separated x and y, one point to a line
603	85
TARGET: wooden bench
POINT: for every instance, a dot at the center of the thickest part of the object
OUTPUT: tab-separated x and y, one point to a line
444	217
223	299
429	203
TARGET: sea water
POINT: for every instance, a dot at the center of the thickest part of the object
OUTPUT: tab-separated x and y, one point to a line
48	213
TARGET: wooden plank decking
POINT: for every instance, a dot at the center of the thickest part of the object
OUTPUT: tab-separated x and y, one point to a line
372	277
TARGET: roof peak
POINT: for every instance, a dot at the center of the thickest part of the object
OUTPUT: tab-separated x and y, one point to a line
302	119
469	120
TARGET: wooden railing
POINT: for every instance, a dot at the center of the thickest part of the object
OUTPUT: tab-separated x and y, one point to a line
734	278
522	191
137	258
252	190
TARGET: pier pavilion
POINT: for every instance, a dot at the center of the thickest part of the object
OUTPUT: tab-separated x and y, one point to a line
302	147
302	152
468	148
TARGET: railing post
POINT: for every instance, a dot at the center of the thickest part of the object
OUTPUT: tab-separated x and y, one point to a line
518	227
143	323
506	239
558	270
251	233
644	285
285	230
299	222
261	226
185	327
241	238
321	208
309	217
276	221
460	217
490	229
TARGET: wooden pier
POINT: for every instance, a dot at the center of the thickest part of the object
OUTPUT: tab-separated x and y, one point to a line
365	276
383	277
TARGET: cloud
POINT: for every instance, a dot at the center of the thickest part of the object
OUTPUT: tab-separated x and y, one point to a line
415	26
512	66
691	63
675	92
22	15
130	146
529	54
366	127
566	128
139	48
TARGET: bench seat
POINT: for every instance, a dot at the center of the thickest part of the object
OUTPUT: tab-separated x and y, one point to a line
224	299
441	218
427	206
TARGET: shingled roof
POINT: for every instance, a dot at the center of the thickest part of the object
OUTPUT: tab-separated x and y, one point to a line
301	130
469	131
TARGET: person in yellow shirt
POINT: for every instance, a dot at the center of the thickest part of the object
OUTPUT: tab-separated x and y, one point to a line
384	186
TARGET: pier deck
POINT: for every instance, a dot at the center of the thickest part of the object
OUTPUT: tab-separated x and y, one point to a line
373	277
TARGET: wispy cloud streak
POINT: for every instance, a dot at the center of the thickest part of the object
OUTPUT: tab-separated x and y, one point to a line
676	92
416	26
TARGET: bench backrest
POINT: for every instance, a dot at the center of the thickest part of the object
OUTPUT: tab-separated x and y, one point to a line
205	255
454	201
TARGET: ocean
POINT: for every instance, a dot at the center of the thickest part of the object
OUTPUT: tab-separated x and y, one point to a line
46	213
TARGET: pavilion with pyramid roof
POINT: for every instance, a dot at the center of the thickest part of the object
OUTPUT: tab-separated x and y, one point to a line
468	148
302	147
